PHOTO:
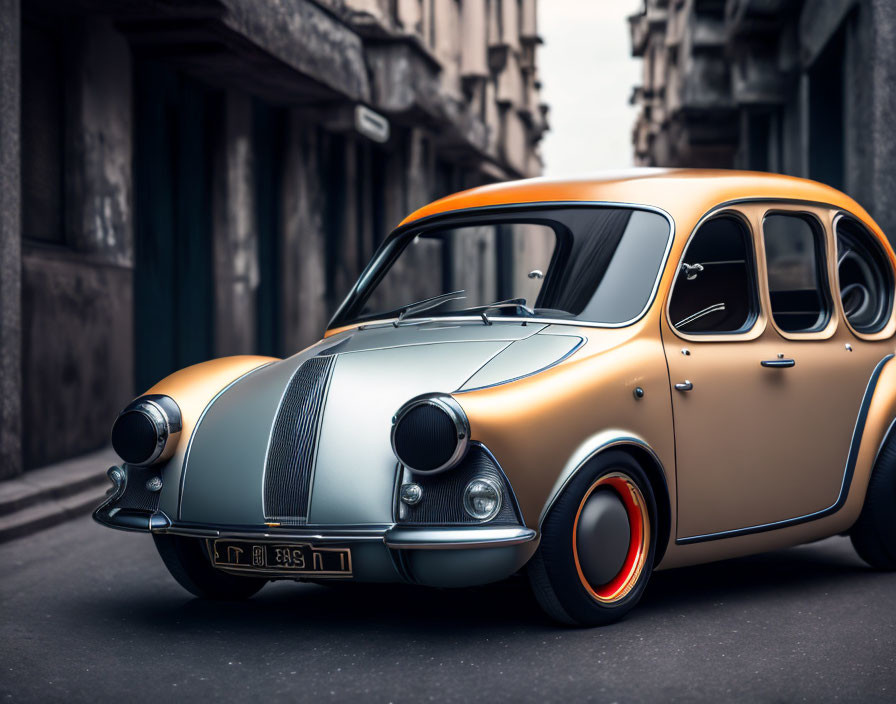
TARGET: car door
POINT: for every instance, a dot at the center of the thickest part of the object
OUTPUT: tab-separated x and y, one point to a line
766	381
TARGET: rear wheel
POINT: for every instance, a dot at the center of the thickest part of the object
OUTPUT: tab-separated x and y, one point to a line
187	562
597	544
874	534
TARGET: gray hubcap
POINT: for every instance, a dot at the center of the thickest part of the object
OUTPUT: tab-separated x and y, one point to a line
602	537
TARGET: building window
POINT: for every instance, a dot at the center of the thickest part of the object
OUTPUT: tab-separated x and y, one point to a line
794	258
42	134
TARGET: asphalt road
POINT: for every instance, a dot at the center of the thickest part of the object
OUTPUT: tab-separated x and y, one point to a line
91	614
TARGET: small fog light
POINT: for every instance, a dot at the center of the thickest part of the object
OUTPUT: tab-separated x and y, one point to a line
410	494
482	499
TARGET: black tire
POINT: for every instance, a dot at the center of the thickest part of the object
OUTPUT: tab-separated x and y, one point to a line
187	562
554	571
874	534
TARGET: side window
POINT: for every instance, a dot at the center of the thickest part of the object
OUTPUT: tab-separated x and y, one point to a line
794	257
866	278
714	290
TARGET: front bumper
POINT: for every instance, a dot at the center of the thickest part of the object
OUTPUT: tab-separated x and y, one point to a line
443	556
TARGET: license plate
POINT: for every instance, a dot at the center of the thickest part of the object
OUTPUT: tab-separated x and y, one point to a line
281	558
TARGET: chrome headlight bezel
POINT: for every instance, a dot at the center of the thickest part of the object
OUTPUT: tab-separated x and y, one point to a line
163	416
457	418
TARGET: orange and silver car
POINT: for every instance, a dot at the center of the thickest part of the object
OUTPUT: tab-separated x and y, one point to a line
588	380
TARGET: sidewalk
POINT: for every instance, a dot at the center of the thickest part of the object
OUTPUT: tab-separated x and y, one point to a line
45	497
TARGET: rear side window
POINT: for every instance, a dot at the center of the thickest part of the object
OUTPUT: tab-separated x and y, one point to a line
866	278
714	288
794	257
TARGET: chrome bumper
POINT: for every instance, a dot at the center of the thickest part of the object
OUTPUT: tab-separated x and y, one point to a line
455	538
444	556
395	537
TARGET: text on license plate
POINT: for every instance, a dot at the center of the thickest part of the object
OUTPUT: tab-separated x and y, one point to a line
281	557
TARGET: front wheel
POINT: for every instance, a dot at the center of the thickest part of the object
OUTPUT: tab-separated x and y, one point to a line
187	562
597	544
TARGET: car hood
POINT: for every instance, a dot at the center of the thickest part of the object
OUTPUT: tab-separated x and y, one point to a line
306	441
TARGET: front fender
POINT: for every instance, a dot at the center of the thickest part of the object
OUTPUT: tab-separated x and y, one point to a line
540	428
193	388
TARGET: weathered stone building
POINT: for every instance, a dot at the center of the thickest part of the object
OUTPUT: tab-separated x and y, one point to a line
186	179
803	87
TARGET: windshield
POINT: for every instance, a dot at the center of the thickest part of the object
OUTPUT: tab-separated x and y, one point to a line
594	264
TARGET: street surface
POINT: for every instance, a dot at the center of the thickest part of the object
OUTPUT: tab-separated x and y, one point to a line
90	614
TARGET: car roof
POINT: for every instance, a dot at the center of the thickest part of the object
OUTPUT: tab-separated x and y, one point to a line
686	194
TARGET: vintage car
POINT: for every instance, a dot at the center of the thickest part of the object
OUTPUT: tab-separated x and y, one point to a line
587	380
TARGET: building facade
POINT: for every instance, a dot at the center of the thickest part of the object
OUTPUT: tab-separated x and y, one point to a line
802	87
182	180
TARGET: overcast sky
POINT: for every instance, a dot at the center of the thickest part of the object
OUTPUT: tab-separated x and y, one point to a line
587	75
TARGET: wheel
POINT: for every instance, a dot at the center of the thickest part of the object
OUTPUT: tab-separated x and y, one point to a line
597	544
874	534
187	562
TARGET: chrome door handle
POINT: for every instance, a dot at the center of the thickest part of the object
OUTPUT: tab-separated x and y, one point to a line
684	386
778	363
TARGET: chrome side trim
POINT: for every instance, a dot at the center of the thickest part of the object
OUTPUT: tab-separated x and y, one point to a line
848	471
422	223
585	452
440	538
566	356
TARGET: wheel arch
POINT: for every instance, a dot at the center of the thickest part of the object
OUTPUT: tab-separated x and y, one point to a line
640	451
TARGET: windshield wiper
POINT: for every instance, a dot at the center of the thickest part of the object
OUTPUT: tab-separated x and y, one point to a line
518	303
428	303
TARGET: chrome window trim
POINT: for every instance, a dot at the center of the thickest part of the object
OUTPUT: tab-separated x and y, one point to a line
721	211
822	236
840	215
423	223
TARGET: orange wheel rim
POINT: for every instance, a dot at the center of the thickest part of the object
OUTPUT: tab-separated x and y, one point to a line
639	538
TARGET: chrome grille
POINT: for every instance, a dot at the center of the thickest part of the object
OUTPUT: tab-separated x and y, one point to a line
293	445
443	501
136	494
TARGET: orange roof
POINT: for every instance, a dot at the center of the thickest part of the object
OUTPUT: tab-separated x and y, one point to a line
686	194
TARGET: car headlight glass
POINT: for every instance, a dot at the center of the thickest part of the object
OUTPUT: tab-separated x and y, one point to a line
430	433
482	499
147	430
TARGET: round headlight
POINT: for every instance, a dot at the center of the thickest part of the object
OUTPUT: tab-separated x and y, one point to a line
482	499
146	431
430	433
